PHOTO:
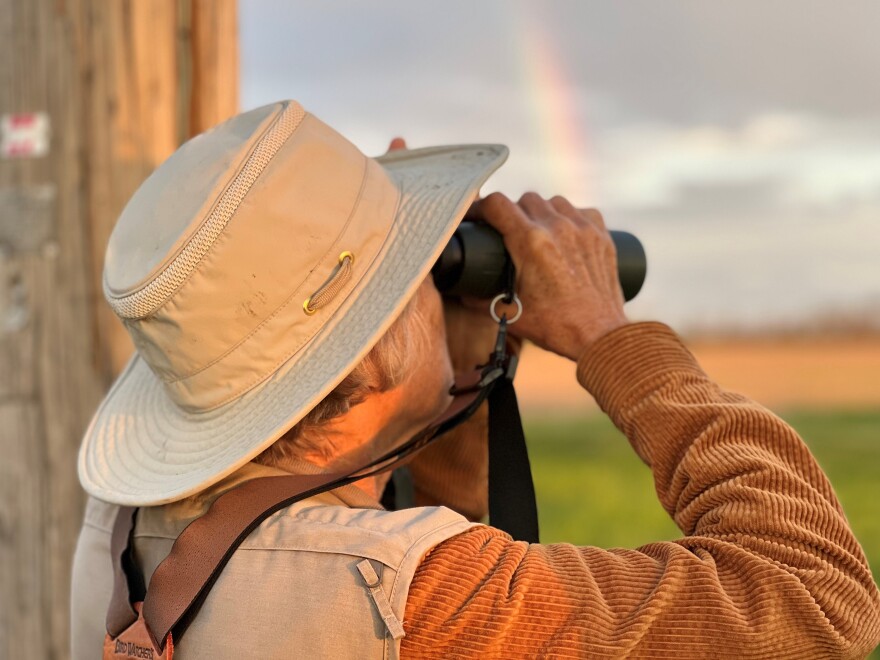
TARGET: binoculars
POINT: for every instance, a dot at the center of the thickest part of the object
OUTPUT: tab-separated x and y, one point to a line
475	263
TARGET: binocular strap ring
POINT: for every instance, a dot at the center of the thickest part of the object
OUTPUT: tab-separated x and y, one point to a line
503	296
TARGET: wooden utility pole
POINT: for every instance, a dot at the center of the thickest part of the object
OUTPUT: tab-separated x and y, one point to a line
94	94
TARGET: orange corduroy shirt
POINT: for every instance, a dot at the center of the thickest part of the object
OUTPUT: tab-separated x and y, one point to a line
767	566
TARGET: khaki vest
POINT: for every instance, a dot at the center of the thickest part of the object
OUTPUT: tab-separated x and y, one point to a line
293	589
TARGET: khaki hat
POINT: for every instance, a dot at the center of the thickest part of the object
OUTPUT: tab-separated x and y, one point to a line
254	269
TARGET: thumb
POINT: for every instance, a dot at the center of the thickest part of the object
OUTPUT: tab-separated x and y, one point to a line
397	144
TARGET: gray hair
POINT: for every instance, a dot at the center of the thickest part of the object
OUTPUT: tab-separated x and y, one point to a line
384	367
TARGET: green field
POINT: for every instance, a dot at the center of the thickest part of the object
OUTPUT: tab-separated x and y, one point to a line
593	490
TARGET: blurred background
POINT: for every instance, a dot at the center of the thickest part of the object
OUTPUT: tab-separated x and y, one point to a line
740	142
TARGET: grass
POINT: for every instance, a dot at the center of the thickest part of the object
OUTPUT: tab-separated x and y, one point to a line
593	489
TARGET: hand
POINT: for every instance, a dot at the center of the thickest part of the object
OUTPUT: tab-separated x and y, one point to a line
397	144
566	270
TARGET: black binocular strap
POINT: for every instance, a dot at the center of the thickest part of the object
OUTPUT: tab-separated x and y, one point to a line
512	504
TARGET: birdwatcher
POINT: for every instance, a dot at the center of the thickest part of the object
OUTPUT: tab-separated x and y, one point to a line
300	458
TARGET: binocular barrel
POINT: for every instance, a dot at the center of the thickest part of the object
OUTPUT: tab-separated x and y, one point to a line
475	263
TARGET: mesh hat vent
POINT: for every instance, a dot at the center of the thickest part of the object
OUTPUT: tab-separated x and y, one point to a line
148	299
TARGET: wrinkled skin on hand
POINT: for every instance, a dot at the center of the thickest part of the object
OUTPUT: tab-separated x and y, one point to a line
566	269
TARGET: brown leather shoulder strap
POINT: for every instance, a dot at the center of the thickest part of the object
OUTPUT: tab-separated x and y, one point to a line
185	577
201	551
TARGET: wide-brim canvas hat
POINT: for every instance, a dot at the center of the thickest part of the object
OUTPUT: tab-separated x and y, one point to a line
254	269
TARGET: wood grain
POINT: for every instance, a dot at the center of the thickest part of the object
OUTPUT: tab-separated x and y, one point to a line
111	76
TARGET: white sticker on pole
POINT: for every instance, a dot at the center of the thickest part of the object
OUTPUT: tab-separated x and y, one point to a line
24	135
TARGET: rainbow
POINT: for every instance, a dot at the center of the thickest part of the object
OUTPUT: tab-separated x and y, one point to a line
562	135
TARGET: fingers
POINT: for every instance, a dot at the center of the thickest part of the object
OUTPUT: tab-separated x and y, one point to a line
565	266
594	218
537	207
532	210
562	206
513	218
534	224
502	214
581	217
397	144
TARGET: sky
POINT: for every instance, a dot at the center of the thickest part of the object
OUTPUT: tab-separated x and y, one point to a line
739	141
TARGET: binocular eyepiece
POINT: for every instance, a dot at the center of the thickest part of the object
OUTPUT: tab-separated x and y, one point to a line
475	263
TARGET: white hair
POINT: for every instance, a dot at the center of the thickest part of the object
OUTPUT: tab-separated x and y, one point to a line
384	367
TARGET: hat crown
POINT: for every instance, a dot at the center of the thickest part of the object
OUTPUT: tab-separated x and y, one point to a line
175	200
215	254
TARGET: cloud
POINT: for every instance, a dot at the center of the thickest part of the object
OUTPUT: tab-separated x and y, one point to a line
813	160
741	142
675	61
749	262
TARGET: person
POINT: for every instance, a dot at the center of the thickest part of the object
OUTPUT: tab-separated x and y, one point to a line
276	284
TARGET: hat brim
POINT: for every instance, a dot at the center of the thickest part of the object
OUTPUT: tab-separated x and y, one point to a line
143	450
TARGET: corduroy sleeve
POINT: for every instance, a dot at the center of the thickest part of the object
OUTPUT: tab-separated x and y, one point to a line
768	566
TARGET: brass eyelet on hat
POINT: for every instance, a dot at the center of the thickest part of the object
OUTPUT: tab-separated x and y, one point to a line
344	255
306	307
